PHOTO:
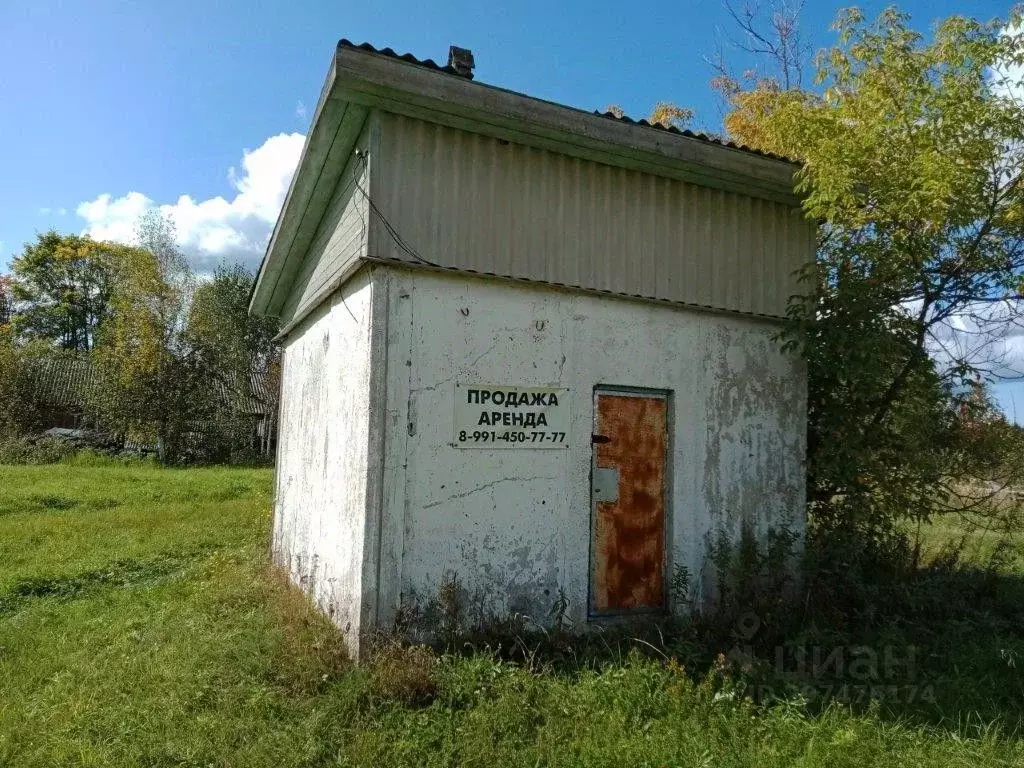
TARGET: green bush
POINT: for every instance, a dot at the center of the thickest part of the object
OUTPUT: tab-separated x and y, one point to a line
53	450
21	450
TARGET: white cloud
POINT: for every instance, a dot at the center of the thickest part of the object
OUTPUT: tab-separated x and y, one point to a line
114	219
217	228
300	110
987	335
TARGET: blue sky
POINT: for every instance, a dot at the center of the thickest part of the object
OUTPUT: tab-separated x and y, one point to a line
109	107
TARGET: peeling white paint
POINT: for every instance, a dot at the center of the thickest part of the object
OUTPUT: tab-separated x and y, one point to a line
513	526
320	511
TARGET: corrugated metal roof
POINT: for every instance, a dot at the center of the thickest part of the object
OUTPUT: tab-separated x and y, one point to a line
433	65
690	134
365	83
406	57
69	381
64	382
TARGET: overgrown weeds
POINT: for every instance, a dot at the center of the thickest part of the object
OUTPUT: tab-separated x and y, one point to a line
310	652
402	673
862	623
34	451
14	450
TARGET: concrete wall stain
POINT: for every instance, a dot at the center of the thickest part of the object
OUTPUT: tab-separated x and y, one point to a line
525	515
322	459
514	526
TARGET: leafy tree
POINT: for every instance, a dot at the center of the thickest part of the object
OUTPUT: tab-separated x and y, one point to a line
912	161
220	328
6	300
671	115
19	409
61	289
147	380
237	354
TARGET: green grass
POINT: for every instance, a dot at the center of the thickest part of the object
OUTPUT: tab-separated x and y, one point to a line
141	626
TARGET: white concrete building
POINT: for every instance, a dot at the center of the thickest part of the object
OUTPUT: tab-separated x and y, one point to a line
528	350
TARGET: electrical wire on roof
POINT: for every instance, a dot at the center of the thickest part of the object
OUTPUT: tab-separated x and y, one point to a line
397	238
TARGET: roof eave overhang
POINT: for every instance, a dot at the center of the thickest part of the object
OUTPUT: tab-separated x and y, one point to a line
326	119
374	80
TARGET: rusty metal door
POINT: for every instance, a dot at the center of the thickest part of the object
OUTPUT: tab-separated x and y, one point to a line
628	492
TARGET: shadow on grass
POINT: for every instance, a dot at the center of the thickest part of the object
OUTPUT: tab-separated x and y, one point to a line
943	646
122	573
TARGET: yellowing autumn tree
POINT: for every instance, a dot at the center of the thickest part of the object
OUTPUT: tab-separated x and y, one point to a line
146	381
912	154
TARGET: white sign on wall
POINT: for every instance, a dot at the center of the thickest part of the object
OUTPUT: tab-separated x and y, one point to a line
508	416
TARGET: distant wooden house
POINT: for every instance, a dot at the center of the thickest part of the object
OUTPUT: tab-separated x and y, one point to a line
63	386
252	406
